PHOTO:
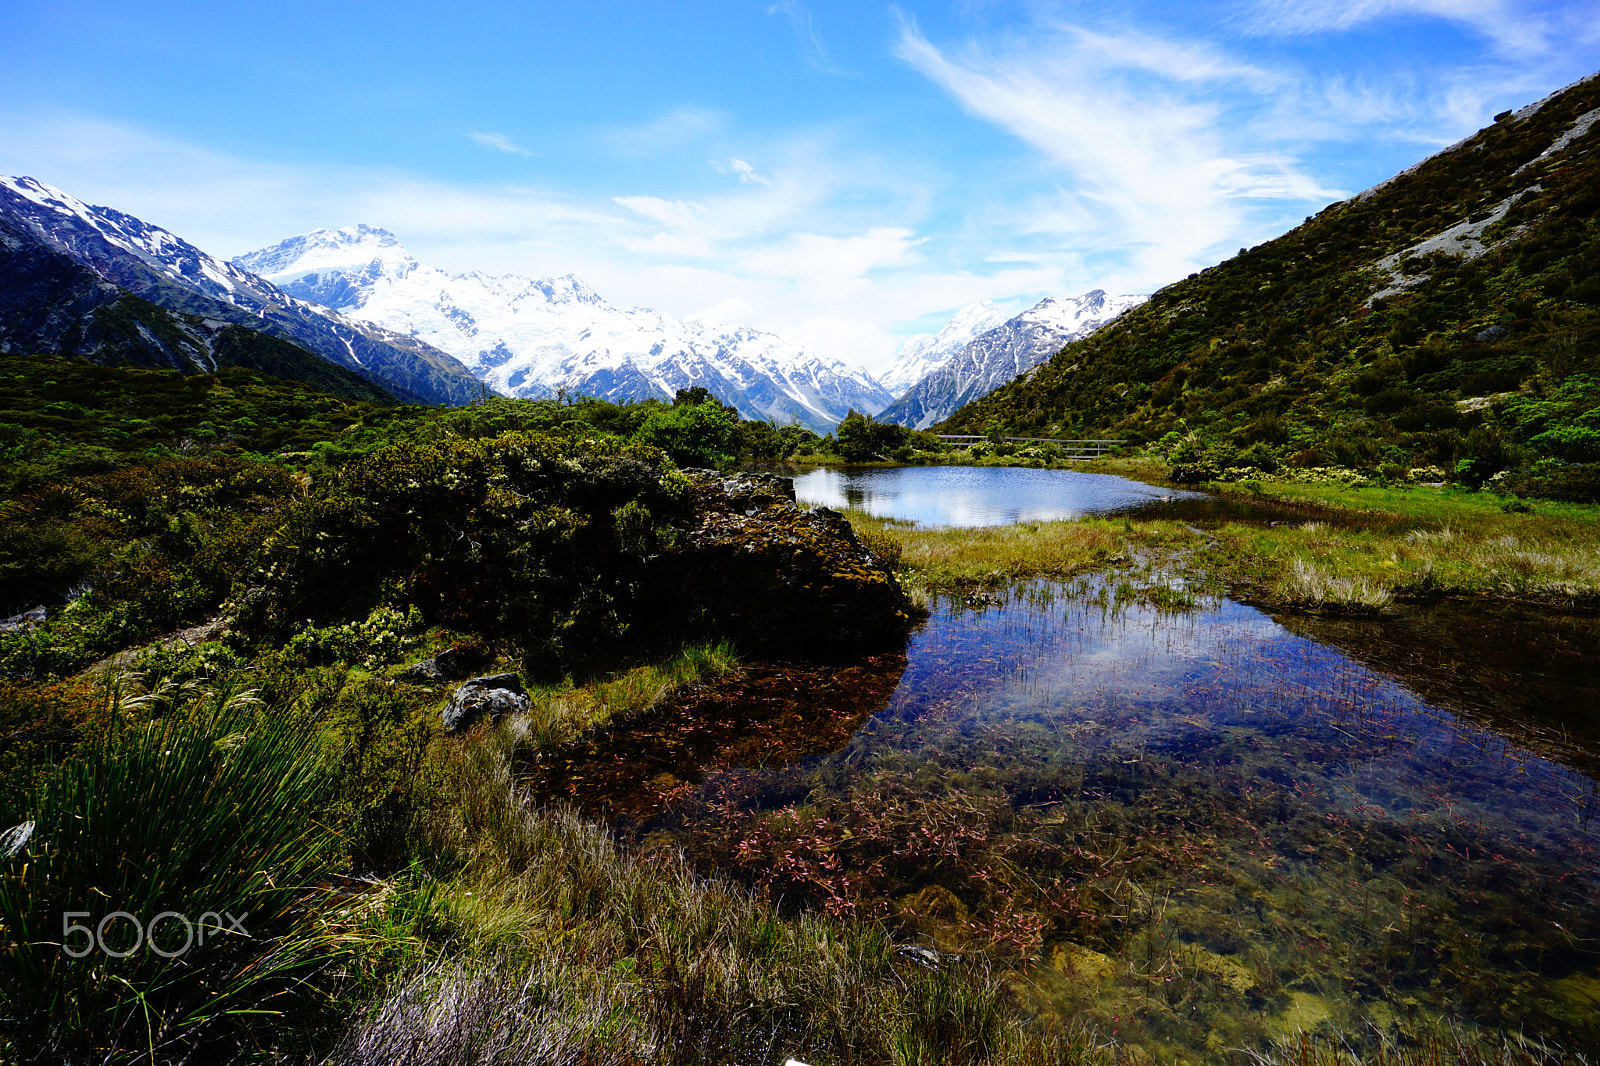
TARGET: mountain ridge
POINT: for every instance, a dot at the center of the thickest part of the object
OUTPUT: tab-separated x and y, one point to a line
999	354
157	266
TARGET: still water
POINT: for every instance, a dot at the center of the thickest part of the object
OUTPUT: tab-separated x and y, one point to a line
1199	830
992	495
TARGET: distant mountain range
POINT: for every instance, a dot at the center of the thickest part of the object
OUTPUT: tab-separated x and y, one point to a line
534	336
96	282
976	356
351	312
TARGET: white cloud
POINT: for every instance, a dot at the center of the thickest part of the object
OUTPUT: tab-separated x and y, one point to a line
500	143
748	174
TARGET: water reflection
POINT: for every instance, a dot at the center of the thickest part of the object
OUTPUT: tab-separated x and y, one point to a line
1527	673
1191	827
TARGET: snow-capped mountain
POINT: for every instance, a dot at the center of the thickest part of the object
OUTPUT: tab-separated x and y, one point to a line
161	268
926	352
533	336
51	304
997	355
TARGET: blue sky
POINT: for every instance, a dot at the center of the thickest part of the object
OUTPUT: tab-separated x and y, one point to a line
843	173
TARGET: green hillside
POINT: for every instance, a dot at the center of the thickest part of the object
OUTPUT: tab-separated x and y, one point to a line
1449	317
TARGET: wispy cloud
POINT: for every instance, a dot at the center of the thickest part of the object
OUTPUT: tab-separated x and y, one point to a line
1151	137
500	143
1514	28
677	128
748	175
809	38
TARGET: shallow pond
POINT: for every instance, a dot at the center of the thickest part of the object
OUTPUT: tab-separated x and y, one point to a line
1201	831
990	495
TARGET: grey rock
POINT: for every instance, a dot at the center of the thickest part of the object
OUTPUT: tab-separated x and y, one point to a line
496	696
449	665
1494	332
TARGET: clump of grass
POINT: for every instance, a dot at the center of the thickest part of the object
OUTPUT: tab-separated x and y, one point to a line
1311	586
208	810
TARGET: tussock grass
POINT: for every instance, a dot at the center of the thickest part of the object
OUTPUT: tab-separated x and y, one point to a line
207	810
1322	565
1309	585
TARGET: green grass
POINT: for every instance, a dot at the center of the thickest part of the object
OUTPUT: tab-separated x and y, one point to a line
1418	543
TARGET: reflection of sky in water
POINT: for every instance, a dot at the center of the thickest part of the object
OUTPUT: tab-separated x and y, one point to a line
977	495
1138	684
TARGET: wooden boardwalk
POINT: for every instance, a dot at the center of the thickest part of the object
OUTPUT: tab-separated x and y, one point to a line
1077	449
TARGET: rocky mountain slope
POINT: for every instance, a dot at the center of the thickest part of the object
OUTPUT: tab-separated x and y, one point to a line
994	355
533	336
1448	317
51	304
919	356
202	295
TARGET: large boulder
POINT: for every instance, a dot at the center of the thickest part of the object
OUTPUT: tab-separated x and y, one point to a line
495	696
782	579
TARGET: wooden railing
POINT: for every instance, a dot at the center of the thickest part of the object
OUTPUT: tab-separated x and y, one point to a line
1075	448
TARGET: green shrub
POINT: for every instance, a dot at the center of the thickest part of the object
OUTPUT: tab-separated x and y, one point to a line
699	435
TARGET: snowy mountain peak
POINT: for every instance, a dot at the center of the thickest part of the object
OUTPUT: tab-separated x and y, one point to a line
533	336
359	249
991	356
169	272
921	354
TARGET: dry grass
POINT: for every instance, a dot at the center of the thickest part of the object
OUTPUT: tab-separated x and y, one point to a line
1310	586
1322	565
1460	544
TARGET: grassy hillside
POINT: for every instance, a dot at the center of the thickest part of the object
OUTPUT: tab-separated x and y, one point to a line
1450	317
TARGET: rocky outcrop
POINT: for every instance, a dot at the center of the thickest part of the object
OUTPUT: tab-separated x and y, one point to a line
784	580
494	696
451	664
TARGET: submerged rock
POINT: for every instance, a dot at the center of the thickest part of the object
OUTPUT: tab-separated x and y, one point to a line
783	579
496	695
